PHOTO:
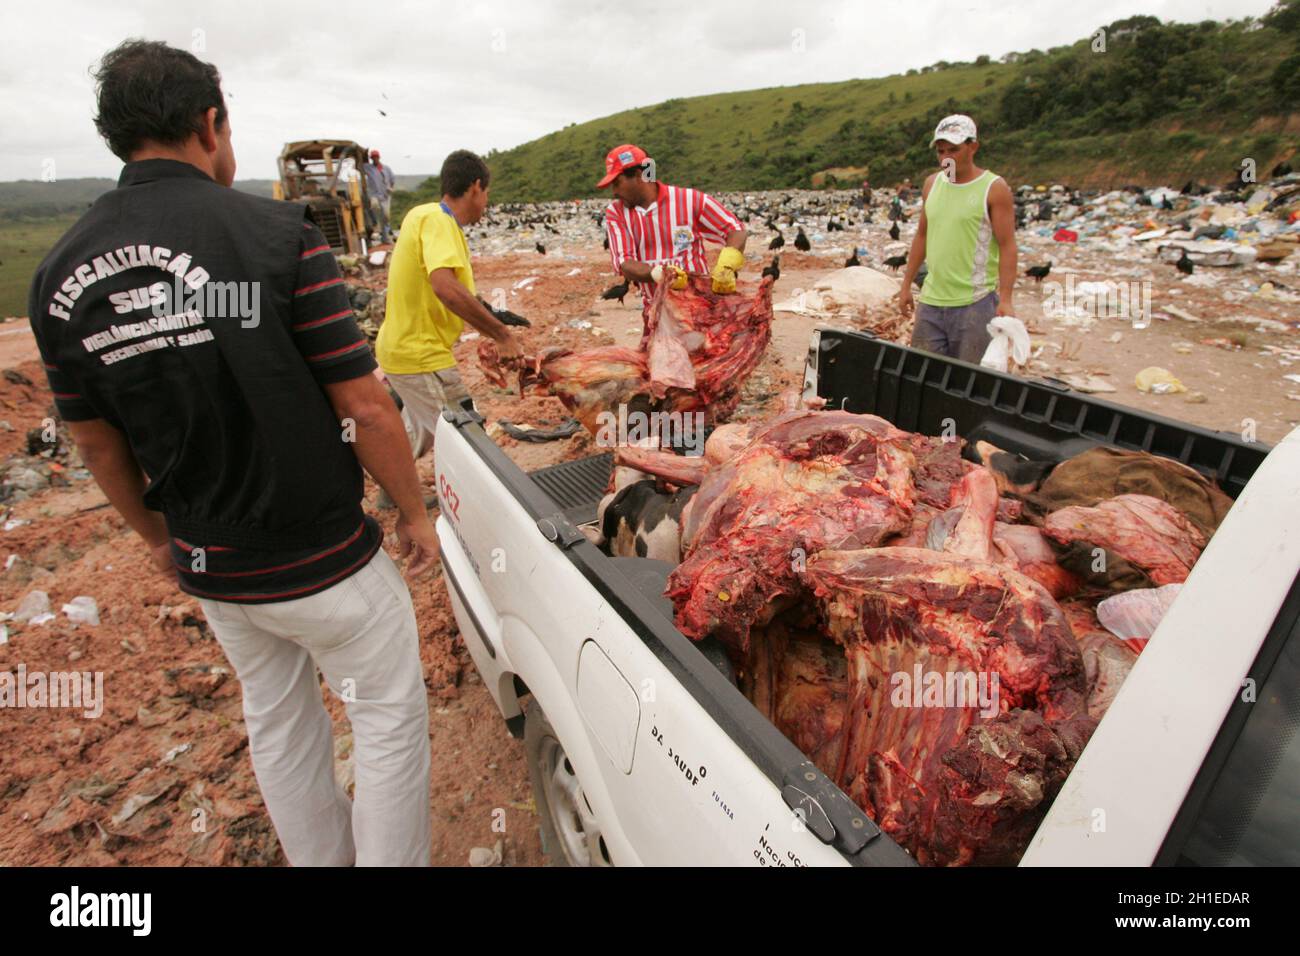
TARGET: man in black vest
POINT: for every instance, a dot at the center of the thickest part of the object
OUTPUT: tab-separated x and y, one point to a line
201	348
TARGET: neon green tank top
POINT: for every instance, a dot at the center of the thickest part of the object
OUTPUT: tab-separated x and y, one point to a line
960	252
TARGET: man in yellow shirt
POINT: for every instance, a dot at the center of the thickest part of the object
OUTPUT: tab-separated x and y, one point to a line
430	292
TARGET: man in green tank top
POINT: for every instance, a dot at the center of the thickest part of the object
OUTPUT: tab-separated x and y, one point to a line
967	239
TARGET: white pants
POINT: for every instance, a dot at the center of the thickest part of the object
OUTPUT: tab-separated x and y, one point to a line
361	633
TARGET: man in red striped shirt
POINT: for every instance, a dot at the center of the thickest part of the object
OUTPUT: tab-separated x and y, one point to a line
657	230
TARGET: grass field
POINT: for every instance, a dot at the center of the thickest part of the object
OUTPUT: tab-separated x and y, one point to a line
23	244
1162	103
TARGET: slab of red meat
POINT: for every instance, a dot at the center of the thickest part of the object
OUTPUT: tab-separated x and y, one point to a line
699	350
797	679
895	610
587	382
808	481
1107	659
1148	533
679	470
701	347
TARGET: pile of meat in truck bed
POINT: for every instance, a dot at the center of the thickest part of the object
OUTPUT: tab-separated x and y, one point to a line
923	626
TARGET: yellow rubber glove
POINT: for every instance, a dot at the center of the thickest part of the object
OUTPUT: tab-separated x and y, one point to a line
724	270
680	276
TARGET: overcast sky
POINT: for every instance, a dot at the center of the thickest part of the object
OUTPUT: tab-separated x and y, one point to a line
477	74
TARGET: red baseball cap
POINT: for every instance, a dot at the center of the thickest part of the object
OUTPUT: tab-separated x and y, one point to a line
374	154
620	158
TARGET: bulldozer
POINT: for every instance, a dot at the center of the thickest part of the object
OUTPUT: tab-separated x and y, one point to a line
327	175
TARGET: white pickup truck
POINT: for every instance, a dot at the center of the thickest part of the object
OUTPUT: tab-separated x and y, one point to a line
643	751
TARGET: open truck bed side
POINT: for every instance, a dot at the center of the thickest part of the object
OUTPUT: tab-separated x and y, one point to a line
915	390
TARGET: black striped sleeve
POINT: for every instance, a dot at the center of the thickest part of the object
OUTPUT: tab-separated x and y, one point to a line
69	397
323	326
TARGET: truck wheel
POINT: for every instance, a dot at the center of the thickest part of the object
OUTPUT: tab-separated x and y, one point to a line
570	832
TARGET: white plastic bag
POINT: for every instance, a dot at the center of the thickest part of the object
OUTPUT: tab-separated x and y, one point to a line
1010	343
1134	615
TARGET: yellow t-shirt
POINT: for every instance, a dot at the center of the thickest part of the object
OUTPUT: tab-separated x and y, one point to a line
418	330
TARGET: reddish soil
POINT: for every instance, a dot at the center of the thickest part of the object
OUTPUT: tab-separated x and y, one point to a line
163	776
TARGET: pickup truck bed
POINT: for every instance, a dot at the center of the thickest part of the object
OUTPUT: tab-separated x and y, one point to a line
668	761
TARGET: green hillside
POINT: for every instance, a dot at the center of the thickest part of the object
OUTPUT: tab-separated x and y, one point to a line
1161	103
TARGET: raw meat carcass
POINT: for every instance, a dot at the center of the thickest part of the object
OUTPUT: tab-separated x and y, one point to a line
1149	534
808	481
922	771
702	347
588	382
1107	659
697	353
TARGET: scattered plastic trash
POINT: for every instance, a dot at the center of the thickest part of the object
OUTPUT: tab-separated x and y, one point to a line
82	610
1134	615
1010	344
1158	381
176	751
377	258
34	608
482	856
1065	235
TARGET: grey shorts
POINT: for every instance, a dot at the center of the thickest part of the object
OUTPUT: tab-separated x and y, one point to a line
959	332
424	395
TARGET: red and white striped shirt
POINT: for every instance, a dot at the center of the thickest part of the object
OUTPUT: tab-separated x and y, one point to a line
672	230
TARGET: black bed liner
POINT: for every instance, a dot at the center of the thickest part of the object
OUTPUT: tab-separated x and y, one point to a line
1041	419
576	487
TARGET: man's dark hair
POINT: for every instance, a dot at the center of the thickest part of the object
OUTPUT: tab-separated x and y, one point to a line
634	172
460	171
149	91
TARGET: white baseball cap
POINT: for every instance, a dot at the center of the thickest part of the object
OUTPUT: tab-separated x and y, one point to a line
956	128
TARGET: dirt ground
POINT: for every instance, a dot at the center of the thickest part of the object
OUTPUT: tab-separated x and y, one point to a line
163	777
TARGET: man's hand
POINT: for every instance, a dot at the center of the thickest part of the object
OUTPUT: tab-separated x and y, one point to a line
509	350
1005	306
161	556
417	539
905	304
729	262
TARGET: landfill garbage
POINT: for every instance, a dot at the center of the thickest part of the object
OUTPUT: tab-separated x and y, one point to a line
25	479
1134	615
533	433
1207	253
1089	384
1009	345
176	751
377	258
482	856
82	609
844	290
34	608
1065	235
1158	381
